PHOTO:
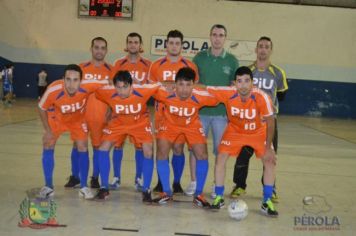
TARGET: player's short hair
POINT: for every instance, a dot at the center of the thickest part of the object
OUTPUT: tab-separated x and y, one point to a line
267	39
75	68
243	70
134	34
186	74
218	26
123	76
99	39
175	34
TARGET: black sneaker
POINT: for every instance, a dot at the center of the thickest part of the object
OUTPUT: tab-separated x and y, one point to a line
94	182
72	182
163	198
146	196
102	194
218	203
177	188
158	188
268	209
200	201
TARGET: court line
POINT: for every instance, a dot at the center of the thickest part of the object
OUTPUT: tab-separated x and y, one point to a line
120	229
17	122
190	234
332	135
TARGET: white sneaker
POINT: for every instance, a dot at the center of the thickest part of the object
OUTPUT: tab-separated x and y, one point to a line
115	184
46	192
190	190
139	184
213	194
86	193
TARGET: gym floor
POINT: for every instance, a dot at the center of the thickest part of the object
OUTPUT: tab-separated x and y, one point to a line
316	159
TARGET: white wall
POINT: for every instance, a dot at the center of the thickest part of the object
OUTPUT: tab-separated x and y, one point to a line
312	42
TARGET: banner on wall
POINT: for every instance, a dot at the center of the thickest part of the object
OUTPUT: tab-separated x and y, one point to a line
243	50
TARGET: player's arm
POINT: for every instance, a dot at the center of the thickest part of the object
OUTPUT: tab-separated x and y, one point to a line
220	92
282	84
161	94
48	135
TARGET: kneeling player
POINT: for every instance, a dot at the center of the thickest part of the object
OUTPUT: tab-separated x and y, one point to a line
129	118
180	117
61	110
251	123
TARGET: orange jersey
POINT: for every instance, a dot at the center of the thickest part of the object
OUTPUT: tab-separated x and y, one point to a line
96	110
246	117
127	111
67	108
139	69
184	112
165	70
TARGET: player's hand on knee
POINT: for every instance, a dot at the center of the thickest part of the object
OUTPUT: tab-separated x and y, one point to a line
48	139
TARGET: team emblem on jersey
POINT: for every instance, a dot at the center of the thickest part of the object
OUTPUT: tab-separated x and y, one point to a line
226	70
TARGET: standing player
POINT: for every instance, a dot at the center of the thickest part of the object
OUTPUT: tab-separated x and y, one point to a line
164	71
62	109
272	80
216	68
181	119
138	66
95	114
7	75
251	123
129	118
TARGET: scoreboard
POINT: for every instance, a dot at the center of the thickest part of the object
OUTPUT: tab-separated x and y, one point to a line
106	8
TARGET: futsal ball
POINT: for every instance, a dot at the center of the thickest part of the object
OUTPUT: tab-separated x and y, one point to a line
238	210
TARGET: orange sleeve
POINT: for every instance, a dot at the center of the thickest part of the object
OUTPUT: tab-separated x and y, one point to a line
161	94
220	92
92	85
152	73
46	102
264	104
48	97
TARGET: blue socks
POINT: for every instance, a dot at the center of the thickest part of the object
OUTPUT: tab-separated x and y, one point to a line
178	162
75	162
147	172
139	163
83	168
219	190
201	173
104	168
267	192
95	163
48	166
116	161
164	174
